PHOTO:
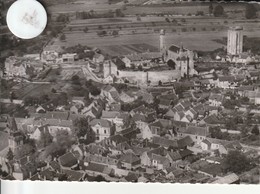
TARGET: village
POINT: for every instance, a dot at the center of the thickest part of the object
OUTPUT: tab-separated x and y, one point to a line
170	115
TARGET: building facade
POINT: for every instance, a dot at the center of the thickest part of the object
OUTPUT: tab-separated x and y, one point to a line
235	41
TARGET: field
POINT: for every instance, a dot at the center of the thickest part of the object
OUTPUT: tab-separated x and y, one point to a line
23	90
87	5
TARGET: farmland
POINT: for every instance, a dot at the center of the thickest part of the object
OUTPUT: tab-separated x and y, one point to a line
23	90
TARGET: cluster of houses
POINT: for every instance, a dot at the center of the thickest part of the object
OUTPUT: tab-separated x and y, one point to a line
139	145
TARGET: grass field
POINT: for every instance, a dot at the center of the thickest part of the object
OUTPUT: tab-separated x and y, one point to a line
23	90
87	5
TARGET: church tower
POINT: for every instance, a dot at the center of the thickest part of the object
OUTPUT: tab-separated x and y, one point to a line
15	136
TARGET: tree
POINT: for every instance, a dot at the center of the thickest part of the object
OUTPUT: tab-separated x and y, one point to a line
10	155
95	91
20	112
100	178
45	139
75	80
83	130
85	29
160	83
64	139
115	33
167	20
53	90
63	37
140	68
218	11
251	11
236	162
255	130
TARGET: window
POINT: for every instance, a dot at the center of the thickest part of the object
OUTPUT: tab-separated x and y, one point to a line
105	131
200	137
97	131
97	138
196	137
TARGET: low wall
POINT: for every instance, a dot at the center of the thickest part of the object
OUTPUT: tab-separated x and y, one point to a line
141	77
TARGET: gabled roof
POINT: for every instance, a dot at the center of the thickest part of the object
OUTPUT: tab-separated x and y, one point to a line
129	158
96	167
186	141
159	150
164	142
193	130
231	178
118	139
162	123
143	110
73	175
160	159
185	153
68	160
101	122
175	155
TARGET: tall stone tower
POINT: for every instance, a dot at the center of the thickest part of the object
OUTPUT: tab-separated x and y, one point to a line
235	41
162	41
15	136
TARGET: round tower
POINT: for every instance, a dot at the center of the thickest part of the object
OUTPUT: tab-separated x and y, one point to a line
162	40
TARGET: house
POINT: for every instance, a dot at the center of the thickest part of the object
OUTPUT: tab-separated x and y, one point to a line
146	96
161	126
110	93
120	119
185	142
160	162
44	129
211	120
226	82
51	54
98	58
216	99
197	134
68	57
22	67
174	158
110	79
146	157
68	160
164	142
228	179
127	97
143	59
102	129
211	145
130	161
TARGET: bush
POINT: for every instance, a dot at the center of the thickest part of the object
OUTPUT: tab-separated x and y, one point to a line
218	11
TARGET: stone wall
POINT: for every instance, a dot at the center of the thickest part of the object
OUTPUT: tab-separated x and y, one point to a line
141	77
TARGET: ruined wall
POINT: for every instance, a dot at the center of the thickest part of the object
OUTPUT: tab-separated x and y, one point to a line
141	77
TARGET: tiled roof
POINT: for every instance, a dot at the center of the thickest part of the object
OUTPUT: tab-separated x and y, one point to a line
144	56
193	130
68	160
102	122
186	141
160	159
231	178
164	142
3	140
73	175
175	155
118	139
129	158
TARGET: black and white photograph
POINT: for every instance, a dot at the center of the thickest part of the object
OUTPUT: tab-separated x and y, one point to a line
140	91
